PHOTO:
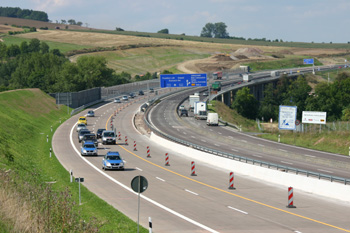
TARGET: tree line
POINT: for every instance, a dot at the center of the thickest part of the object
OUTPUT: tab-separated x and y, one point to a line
16	12
34	65
333	98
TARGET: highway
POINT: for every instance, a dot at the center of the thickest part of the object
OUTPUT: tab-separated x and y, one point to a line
179	202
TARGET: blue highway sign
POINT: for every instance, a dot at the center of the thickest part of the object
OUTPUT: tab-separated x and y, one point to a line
183	80
308	61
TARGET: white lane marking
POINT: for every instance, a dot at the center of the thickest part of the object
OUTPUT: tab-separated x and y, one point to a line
216	144
261	145
191	192
230	137
193	137
282	150
324	170
243	141
160	179
259	156
203	140
210	129
185	133
241	211
312	156
219	133
286	162
132	191
297	231
235	150
138	169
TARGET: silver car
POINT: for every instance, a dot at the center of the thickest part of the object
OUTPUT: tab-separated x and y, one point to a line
117	100
125	97
80	126
90	113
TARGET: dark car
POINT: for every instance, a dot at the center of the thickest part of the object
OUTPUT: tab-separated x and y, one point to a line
99	133
132	95
91	137
183	112
151	90
141	92
82	133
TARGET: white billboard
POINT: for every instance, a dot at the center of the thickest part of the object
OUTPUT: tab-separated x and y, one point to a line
287	116
314	117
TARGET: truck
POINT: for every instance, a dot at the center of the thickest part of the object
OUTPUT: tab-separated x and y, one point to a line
244	68
247	77
192	100
216	86
275	73
217	75
200	110
213	119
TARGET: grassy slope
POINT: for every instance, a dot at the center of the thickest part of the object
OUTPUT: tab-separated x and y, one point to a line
25	119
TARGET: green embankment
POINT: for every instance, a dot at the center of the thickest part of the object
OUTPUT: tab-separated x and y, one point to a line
39	184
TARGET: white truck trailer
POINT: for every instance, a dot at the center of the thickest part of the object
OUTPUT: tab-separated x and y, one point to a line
213	119
192	100
247	77
200	110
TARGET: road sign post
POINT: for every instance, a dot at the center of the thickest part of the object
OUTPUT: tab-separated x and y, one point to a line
79	180
139	184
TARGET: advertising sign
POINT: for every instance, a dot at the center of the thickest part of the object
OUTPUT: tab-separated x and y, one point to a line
314	117
287	117
183	80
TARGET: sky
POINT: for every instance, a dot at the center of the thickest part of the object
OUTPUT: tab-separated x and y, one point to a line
298	20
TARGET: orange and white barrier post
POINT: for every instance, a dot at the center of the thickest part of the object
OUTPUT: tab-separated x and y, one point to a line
135	146
193	169
290	198
148	152
232	183
167	159
119	136
126	140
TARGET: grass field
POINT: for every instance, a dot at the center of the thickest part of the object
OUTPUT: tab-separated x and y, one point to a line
24	156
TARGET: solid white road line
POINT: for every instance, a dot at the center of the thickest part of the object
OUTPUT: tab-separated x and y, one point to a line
203	140
191	192
243	141
234	150
286	162
324	171
216	144
261	145
259	156
138	169
312	156
282	150
241	211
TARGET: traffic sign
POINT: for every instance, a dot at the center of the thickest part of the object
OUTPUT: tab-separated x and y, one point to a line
183	80
139	184
80	179
297	122
308	61
287	117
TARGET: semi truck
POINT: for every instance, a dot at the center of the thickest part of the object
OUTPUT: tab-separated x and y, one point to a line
200	110
247	77
192	100
216	86
275	73
217	75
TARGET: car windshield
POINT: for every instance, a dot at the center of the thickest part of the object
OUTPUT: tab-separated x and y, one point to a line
82	118
91	112
89	146
108	134
89	137
100	130
113	157
84	132
81	125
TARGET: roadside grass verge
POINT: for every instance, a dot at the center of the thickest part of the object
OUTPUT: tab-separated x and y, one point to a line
63	47
38	185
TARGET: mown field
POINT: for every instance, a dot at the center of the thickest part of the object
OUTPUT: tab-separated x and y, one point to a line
38	185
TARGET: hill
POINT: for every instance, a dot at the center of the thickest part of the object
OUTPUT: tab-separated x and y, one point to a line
34	182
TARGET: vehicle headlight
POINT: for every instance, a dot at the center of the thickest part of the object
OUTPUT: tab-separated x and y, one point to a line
122	164
84	151
108	164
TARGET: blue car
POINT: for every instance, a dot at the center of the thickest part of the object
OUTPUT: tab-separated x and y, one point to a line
88	148
112	160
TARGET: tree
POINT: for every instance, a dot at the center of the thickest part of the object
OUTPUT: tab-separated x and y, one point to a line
72	22
245	103
220	30
44	48
208	30
217	30
34	45
119	29
164	31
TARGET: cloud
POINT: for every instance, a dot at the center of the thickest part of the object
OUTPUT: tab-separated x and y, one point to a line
52	5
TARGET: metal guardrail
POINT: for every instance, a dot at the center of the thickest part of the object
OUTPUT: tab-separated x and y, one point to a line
240	158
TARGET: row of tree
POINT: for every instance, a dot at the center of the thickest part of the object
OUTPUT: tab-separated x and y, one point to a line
333	98
16	12
34	65
70	22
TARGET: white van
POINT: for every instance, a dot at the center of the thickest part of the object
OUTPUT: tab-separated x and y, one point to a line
213	119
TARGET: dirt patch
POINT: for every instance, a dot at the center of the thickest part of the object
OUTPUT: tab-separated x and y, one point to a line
141	125
319	141
249	52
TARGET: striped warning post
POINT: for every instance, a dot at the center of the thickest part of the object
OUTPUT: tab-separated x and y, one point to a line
135	146
193	169
148	152
119	136
150	225
167	159
232	183
290	198
126	140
